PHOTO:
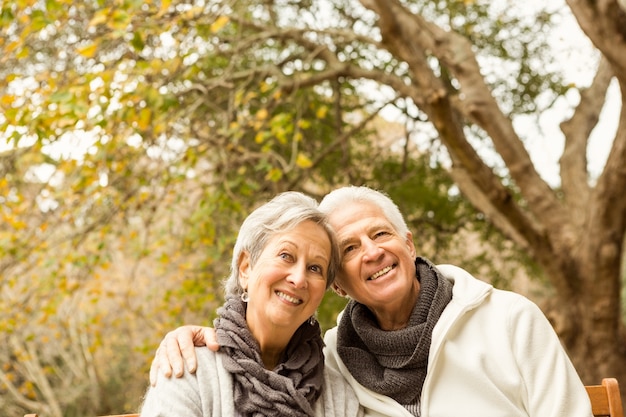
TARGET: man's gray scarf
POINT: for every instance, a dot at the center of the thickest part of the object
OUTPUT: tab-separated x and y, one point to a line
393	363
292	388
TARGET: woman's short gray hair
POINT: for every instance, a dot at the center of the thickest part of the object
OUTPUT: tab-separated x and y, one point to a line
281	214
360	194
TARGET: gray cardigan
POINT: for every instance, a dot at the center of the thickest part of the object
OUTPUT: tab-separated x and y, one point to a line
209	392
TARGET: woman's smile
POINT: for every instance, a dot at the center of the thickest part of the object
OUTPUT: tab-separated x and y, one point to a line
289	298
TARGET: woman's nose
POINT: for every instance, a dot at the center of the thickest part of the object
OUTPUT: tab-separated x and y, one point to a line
297	276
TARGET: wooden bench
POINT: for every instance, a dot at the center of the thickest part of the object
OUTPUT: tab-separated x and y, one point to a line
116	415
605	400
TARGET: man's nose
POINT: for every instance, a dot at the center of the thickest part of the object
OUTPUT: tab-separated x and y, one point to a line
371	250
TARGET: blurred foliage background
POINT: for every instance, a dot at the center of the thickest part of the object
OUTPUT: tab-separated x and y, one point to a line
137	135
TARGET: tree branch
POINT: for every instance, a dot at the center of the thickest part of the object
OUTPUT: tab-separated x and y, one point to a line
609	190
604	22
574	176
408	36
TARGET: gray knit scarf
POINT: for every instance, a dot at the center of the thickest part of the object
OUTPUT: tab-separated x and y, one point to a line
393	363
292	388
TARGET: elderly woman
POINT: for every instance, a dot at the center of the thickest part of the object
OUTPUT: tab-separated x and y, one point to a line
271	360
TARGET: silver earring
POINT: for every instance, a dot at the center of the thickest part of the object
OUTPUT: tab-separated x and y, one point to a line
312	320
244	296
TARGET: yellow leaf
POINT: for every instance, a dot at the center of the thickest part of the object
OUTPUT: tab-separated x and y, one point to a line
265	87
64	122
119	20
303	161
260	137
304	124
100	17
144	118
274	175
23	53
249	96
12	46
19	225
7	100
88	51
238	97
165	4
321	112
219	23
261	114
281	135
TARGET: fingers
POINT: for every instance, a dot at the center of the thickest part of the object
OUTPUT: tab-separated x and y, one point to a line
190	336
160	363
179	343
154	370
210	338
177	348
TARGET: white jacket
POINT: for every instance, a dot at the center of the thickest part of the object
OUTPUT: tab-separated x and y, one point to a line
493	354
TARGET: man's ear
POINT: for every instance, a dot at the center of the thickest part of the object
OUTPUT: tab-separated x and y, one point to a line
411	244
244	269
338	290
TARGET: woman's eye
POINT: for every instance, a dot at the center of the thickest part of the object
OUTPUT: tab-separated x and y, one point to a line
317	269
286	256
381	233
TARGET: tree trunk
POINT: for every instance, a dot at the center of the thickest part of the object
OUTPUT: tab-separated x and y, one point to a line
577	235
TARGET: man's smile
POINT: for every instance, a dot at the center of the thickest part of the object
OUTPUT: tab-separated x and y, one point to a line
381	272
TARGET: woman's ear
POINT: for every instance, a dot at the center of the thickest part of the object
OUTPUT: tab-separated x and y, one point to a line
244	269
337	289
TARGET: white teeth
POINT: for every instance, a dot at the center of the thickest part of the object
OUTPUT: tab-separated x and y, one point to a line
288	298
380	273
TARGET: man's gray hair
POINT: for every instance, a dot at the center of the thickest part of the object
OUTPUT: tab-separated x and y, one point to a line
360	194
